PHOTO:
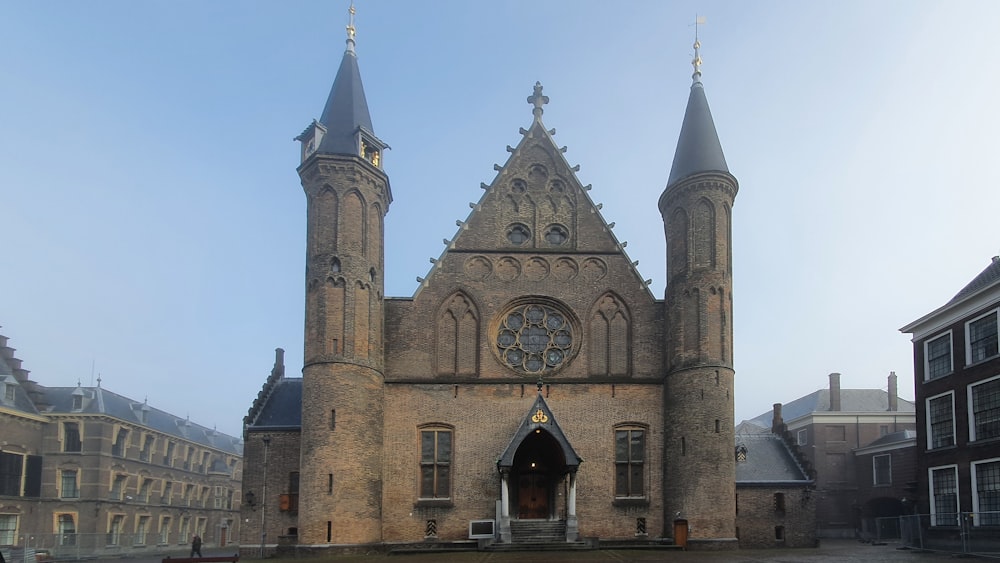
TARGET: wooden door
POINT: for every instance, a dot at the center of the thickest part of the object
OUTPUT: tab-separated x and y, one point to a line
533	496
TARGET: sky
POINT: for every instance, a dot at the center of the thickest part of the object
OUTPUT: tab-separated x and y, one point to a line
152	224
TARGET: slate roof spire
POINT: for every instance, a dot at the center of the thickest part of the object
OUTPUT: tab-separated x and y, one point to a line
698	147
346	108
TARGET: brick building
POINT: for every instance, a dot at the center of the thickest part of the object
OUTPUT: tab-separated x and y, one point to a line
775	506
956	366
532	385
87	473
831	426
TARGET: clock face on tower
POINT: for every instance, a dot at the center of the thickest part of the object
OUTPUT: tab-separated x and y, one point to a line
534	338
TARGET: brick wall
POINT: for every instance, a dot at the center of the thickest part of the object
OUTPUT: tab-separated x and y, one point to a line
761	524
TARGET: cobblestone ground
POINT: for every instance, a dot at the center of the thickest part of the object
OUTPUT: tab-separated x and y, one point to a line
831	551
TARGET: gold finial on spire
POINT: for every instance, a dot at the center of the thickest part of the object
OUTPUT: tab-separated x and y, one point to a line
350	28
696	62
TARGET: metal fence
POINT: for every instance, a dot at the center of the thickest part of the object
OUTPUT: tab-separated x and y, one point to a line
40	547
974	533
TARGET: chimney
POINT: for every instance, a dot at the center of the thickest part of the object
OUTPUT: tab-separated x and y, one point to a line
776	421
893	393
834	391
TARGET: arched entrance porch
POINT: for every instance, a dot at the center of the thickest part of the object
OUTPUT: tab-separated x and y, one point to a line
538	465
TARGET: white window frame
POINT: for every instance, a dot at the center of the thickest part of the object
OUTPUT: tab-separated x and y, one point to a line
802	437
8	536
972	418
930	494
968	340
875	482
951	356
975	488
927	420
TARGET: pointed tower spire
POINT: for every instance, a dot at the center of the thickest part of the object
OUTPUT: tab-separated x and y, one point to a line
698	147
696	207
347	196
345	127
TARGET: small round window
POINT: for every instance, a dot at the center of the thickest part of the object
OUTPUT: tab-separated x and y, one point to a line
556	235
518	234
534	338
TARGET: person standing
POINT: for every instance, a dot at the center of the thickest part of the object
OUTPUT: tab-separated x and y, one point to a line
196	545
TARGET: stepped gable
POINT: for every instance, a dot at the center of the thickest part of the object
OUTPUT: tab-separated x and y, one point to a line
27	394
768	460
279	402
10	366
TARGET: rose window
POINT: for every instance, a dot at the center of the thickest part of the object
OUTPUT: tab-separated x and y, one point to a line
534	338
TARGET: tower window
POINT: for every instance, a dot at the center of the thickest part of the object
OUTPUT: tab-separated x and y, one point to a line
335	265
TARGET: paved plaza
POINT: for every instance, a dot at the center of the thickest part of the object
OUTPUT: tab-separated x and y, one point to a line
830	551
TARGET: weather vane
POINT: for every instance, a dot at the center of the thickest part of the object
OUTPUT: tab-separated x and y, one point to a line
696	62
350	25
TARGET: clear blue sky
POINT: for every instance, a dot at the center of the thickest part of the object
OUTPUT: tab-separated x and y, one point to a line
153	223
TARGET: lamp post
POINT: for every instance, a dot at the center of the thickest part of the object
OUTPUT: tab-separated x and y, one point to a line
263	498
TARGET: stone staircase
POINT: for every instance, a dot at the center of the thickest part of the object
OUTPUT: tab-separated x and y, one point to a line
539	535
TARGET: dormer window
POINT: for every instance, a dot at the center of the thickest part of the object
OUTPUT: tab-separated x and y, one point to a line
311	139
371	152
77	402
8	392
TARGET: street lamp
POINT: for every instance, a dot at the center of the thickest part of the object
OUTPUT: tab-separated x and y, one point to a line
263	498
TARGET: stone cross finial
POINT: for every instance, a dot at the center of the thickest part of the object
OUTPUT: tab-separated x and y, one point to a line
538	100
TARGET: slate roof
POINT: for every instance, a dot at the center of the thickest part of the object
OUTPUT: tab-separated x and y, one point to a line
769	461
98	400
851	400
283	407
986	278
698	147
894	438
346	109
